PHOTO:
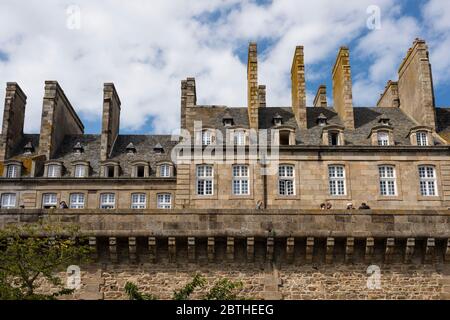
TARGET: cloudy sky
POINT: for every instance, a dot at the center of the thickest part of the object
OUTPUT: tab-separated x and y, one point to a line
147	47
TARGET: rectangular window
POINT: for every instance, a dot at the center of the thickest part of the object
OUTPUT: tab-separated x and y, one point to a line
80	171
427	177
49	200
164	201
207	137
205	176
336	179
77	201
8	200
109	171
12	171
240	180
422	138
107	201
333	138
239	138
388	185
53	171
286	180
164	170
138	201
140	171
383	138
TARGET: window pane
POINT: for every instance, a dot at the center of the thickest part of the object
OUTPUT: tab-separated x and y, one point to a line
8	200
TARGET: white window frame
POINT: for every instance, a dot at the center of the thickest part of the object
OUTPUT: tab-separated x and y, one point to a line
138	201
239	138
12	171
336	180
241	180
107	200
422	138
77	200
165	170
388	181
207	137
330	138
53	171
286	180
80	171
383	138
9	200
205	180
428	181
164	201
49	199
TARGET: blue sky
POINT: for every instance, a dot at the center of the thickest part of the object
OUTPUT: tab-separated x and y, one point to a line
147	48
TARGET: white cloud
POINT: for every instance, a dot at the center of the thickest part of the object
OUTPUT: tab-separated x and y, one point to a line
147	47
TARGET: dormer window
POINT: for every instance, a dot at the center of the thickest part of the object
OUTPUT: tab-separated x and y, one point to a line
322	120
422	138
131	149
78	148
80	171
277	120
110	169
165	170
13	170
383	138
227	120
28	148
333	138
284	138
239	137
333	135
158	148
207	137
53	170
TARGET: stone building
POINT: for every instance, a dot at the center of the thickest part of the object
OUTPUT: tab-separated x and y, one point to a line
158	207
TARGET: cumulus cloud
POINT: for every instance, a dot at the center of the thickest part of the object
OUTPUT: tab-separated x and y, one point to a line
147	47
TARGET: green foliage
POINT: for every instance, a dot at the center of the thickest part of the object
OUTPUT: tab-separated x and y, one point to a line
184	293
224	289
32	251
133	293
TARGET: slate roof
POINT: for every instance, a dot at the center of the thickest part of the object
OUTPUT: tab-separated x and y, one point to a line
144	145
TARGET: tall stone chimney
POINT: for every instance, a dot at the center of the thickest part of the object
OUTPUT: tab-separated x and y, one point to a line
58	120
321	97
13	120
299	87
389	98
188	101
110	120
342	88
252	86
415	85
262	96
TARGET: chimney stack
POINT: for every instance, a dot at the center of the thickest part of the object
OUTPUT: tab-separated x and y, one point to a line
110	120
262	96
299	87
389	98
252	86
188	101
13	120
342	88
321	97
415	85
58	120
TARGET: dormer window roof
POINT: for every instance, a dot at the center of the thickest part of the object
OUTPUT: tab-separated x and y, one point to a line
78	148
277	119
227	120
131	149
384	120
158	148
28	148
322	120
